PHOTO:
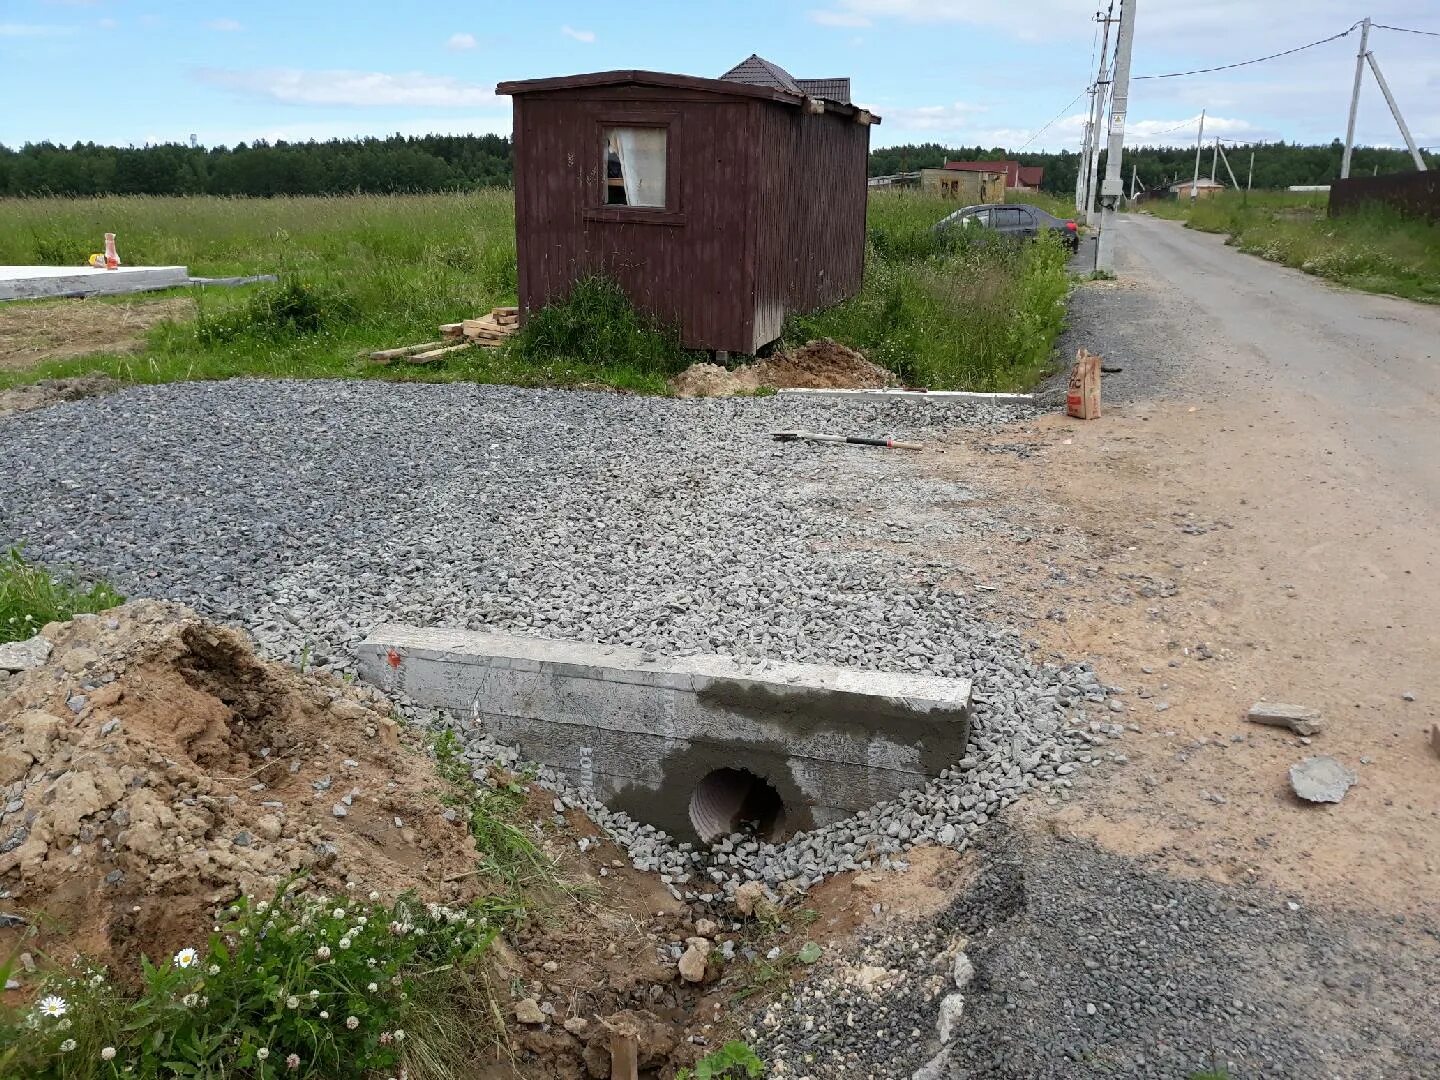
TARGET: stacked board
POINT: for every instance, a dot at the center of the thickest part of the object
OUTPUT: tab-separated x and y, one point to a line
488	331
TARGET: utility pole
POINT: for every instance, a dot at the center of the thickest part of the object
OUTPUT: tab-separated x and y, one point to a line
1355	97
1226	158
1214	154
1134	179
1111	190
1395	111
1097	110
1199	139
1250	178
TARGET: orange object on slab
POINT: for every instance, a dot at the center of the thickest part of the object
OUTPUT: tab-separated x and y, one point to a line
1082	400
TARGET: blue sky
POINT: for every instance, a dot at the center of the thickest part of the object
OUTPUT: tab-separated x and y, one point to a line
954	71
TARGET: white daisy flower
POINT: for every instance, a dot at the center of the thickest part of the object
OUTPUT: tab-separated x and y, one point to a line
107	1054
67	1046
190	1000
53	1007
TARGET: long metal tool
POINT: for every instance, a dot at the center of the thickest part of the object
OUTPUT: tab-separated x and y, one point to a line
861	440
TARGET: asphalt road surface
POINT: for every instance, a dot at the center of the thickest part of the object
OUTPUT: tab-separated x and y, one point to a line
1364	366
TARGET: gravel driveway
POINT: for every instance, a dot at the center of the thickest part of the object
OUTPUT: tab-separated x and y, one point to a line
307	512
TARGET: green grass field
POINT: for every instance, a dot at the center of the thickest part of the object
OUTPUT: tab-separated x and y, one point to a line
1377	250
364	272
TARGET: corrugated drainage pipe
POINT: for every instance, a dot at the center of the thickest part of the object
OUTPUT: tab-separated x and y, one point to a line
730	801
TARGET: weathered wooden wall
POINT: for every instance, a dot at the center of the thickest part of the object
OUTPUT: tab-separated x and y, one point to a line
1414	193
765	214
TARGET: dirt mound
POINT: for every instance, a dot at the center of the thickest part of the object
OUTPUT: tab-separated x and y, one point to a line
32	333
154	768
47	392
817	365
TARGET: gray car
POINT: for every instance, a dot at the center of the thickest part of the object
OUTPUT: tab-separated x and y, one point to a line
1011	219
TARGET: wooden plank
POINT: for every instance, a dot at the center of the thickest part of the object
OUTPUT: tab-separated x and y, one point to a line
505	311
1301	719
435	354
624	1054
452	329
384	356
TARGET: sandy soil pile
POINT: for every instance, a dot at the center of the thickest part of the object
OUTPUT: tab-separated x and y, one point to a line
153	768
820	365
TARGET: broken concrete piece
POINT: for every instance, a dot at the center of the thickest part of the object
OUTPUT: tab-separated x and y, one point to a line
527	1011
24	655
1321	779
1297	718
952	1007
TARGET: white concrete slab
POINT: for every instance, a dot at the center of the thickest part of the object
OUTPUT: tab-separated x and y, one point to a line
39	282
939	397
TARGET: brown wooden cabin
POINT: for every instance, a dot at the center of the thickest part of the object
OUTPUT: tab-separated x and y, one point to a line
719	205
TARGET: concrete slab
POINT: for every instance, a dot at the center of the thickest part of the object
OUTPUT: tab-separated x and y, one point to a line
39	282
650	734
950	397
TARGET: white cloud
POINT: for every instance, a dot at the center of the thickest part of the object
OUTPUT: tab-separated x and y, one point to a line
32	30
956	117
461	42
587	36
108	24
837	18
225	26
293	86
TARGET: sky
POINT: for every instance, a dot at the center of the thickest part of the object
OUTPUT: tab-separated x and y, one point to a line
128	72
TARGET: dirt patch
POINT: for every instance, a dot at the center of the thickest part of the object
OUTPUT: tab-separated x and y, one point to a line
47	392
1205	561
153	769
817	365
31	333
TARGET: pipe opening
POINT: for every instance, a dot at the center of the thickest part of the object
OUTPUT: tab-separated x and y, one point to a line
730	801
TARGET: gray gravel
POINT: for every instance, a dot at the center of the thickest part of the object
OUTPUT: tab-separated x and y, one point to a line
309	512
1087	965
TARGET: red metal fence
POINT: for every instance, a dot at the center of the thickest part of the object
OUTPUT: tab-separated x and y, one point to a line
1415	193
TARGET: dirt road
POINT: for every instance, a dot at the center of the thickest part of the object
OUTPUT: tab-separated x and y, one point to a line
1253	518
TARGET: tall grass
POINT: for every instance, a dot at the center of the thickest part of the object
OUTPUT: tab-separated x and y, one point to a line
1376	249
363	272
975	312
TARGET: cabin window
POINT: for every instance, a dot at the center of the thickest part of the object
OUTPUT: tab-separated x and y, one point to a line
634	166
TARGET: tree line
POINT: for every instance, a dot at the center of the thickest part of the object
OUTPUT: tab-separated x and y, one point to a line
1277	165
339	166
463	162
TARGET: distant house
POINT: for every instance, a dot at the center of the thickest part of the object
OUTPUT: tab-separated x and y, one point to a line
719	205
1017	177
1203	189
966	186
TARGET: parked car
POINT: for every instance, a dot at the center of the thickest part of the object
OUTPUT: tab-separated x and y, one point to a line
1011	219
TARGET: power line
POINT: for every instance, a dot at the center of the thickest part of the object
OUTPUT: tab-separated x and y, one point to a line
1053	121
1257	60
1403	29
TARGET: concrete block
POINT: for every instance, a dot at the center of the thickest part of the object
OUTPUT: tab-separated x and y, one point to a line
677	742
39	282
949	397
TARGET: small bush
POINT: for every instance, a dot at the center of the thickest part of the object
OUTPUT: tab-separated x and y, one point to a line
598	325
293	307
290	987
30	597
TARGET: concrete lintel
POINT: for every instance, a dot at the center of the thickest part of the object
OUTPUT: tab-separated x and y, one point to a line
650	728
938	396
43	282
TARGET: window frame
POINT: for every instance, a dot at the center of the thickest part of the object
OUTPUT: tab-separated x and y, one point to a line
597	209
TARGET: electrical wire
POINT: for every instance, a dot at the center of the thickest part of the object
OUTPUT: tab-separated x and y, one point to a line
1257	60
1188	123
1052	122
1404	30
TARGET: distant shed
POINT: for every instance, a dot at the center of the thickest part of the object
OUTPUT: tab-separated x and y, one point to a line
719	205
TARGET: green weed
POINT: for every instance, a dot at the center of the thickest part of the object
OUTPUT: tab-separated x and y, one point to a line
31	596
292	986
597	326
731	1062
